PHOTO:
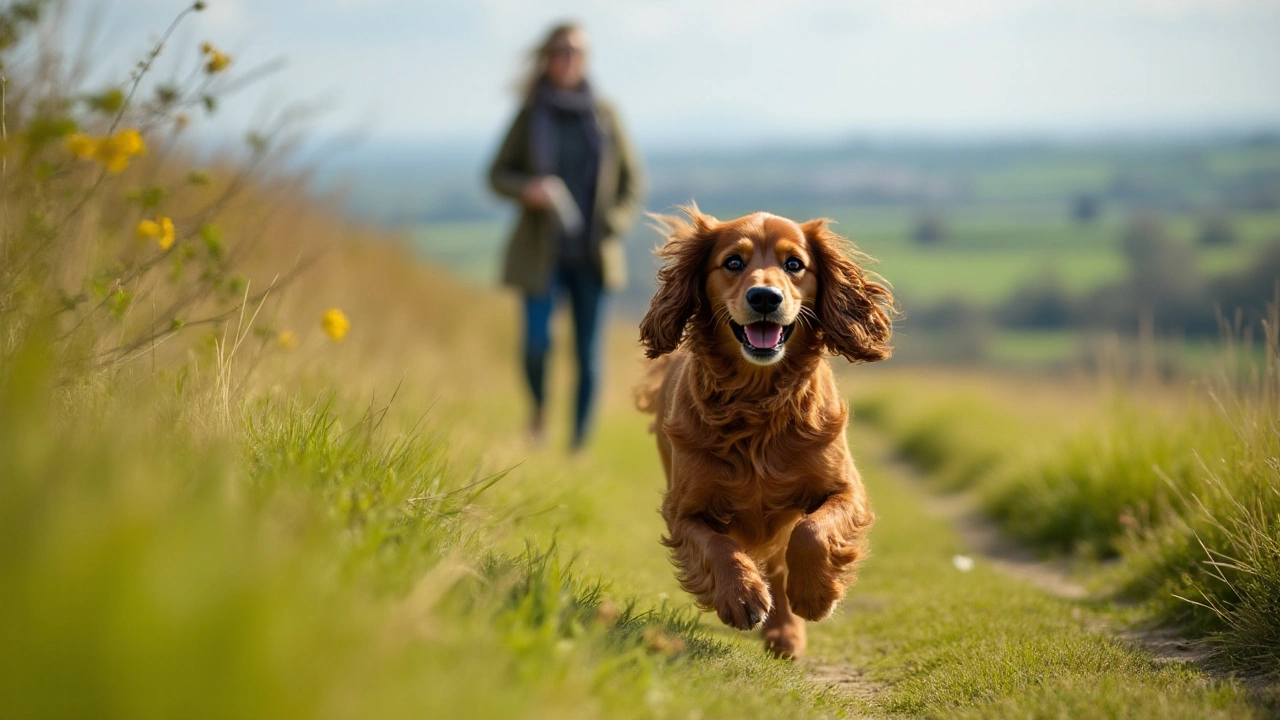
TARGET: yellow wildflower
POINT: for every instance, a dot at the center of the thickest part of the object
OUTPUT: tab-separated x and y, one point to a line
161	230
82	146
167	233
147	229
130	141
217	60
217	63
288	340
335	324
115	152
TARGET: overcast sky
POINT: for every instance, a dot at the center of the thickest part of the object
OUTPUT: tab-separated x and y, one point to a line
728	72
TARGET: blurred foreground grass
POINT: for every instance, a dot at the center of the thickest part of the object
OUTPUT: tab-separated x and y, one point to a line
164	553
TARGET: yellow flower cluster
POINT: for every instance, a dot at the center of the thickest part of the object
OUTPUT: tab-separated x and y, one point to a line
113	151
160	230
216	60
82	146
288	339
335	324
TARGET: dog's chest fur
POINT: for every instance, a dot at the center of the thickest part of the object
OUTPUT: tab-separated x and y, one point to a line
758	496
760	466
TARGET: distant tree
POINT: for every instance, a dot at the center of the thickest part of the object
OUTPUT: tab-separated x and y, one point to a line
1086	207
1163	278
1250	289
1041	302
1158	264
958	330
1217	228
931	229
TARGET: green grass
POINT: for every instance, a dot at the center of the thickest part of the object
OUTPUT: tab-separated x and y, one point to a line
957	439
168	554
945	643
927	639
1182	487
172	554
1086	492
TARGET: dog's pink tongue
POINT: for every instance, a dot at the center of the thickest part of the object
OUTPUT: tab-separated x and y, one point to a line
763	335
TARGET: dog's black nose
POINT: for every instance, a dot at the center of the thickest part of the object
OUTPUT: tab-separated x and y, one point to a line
764	300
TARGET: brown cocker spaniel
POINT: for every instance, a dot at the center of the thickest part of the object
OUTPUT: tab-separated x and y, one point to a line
766	514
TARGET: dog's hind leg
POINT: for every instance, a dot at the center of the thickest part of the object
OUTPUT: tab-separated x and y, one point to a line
784	633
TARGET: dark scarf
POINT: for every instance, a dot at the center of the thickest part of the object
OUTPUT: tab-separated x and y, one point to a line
542	133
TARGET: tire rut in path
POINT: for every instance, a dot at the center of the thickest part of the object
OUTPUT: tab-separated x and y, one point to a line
843	678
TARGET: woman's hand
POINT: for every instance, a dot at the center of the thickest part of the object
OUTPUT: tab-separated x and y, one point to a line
534	194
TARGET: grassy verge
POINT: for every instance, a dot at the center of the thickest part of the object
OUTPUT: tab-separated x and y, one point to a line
929	640
1181	486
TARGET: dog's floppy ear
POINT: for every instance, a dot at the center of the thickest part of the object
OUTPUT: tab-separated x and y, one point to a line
679	294
853	311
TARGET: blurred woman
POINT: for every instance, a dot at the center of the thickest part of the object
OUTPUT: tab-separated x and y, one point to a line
569	164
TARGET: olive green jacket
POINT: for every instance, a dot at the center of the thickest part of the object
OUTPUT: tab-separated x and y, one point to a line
531	252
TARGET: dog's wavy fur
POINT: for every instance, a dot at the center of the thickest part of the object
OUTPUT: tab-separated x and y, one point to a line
766	514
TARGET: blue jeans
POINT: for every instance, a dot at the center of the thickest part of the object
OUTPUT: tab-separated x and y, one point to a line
586	298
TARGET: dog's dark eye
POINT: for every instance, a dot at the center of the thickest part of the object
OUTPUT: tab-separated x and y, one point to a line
734	264
793	265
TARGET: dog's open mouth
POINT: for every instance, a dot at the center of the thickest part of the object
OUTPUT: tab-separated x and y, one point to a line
761	338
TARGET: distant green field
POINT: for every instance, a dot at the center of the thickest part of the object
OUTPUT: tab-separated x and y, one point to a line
989	251
987	276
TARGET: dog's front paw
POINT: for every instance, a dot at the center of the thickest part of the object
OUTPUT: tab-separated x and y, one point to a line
813	600
743	602
814	582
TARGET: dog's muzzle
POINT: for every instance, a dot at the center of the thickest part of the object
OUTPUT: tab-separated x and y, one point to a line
762	339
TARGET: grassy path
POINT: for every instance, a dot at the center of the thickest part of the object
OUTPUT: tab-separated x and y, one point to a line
916	636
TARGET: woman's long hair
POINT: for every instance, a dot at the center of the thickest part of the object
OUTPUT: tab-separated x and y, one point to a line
536	63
